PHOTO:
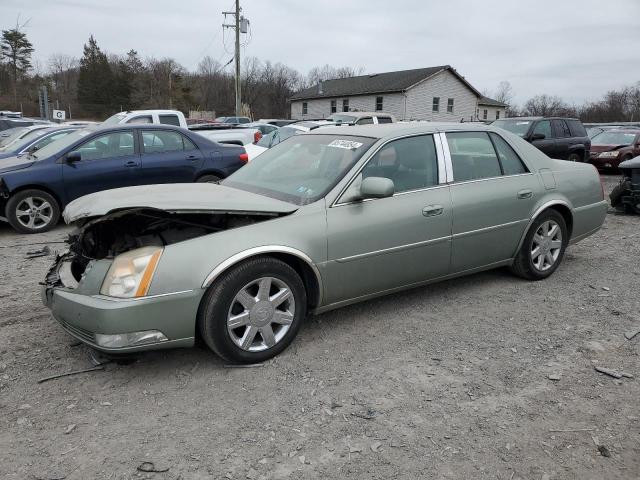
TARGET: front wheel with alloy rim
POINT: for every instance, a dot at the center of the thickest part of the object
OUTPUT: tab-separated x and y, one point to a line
253	311
543	247
32	211
575	157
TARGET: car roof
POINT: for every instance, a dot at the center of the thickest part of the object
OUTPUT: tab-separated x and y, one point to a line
515	119
399	129
126	126
364	114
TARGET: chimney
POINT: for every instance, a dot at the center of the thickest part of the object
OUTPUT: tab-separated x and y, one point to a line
320	92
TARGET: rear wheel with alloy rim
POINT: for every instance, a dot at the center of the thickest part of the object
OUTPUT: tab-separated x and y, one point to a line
543	247
32	211
253	312
575	157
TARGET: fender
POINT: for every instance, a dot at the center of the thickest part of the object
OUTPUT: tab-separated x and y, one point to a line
266	249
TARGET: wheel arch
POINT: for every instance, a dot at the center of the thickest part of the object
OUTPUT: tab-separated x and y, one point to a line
561	206
296	259
22	188
211	171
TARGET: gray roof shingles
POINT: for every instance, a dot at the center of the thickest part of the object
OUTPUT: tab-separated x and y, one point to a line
374	83
490	102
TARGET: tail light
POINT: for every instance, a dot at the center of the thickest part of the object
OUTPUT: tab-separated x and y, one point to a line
244	157
257	136
599	178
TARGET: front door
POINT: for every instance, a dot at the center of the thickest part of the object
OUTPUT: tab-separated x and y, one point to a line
376	245
548	143
493	194
107	161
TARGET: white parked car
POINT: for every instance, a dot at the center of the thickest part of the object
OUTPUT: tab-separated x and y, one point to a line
362	118
161	117
282	133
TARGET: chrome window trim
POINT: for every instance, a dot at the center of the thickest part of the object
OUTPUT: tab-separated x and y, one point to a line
337	203
447	156
489	178
265	249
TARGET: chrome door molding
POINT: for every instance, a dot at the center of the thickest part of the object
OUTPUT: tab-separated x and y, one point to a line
408	246
441	167
266	249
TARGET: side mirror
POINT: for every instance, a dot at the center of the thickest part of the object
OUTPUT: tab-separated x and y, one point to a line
74	156
376	187
538	136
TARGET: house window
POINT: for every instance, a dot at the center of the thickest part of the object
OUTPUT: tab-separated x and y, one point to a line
304	108
484	114
497	114
379	104
334	107
345	105
436	104
450	105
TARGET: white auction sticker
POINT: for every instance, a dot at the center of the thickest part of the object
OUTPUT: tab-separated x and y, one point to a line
348	144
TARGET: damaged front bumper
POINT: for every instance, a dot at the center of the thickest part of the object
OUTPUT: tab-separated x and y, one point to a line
118	325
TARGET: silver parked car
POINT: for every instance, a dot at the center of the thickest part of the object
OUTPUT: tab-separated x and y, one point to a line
325	219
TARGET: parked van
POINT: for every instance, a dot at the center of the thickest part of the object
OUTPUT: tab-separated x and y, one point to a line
164	117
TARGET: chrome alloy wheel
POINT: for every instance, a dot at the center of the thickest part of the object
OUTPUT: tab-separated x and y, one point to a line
261	314
546	245
34	213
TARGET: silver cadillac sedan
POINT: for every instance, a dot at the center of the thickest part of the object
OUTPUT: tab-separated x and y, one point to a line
324	219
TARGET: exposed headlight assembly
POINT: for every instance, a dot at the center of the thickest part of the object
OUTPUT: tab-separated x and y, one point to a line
609	154
131	273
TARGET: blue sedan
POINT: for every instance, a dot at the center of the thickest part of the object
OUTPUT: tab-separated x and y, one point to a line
34	139
35	188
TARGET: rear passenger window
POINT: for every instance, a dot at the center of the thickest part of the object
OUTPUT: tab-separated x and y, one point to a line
576	128
472	156
365	121
170	120
384	120
561	129
165	141
511	163
411	163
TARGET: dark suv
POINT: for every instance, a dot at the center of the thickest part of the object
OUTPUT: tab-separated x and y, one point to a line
563	138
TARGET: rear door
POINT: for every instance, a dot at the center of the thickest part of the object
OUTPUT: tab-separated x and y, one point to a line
548	143
168	156
493	194
108	160
564	142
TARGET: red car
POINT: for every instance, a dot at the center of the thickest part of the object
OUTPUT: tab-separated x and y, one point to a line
611	147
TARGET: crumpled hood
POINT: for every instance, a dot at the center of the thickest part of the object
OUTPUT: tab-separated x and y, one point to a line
10	164
606	148
174	197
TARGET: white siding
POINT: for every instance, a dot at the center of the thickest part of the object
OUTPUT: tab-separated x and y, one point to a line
392	103
444	85
491	112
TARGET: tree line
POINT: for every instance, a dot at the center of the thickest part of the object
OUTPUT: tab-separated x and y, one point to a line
99	84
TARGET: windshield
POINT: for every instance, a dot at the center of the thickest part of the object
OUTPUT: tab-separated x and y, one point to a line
519	127
301	170
342	118
114	119
10	135
277	136
613	138
59	145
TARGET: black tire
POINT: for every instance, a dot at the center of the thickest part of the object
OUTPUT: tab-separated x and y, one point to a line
616	194
523	265
219	300
575	157
21	200
209	179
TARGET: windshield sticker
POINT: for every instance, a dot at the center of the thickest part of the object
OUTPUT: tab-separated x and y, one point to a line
348	144
522	123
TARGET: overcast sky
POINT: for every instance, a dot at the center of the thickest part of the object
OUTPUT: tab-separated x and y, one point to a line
577	49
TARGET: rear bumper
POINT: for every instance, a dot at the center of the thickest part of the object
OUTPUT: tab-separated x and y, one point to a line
84	316
588	219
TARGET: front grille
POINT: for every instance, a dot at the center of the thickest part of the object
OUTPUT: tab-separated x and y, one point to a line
81	333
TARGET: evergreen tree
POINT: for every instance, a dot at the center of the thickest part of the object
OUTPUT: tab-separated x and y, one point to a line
97	89
17	50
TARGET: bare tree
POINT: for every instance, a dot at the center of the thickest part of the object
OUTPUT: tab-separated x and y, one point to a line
547	105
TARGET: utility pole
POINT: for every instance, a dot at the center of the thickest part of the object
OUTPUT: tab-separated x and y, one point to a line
240	26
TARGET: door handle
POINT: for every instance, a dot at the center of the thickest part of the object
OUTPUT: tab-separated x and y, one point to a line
522	194
432	210
131	163
192	157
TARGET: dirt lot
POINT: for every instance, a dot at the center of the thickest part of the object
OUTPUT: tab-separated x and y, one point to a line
449	381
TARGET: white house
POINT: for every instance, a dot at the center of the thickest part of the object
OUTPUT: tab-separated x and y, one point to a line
435	93
490	109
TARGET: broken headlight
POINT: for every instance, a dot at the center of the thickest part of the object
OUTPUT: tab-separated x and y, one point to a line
131	273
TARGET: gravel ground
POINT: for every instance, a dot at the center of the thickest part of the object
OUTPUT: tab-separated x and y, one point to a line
487	376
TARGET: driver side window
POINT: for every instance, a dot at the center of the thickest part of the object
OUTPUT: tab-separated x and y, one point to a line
543	127
117	144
